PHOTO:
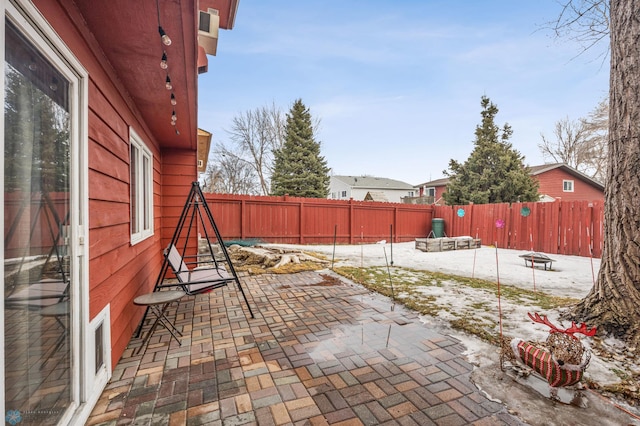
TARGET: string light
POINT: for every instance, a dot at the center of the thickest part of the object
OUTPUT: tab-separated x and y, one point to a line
164	37
163	62
166	41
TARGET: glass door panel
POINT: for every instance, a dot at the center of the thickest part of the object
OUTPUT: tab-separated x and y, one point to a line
38	361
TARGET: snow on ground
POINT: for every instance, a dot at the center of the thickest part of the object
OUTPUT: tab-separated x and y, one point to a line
569	276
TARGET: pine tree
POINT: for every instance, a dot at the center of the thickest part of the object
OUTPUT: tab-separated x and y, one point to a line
494	172
299	169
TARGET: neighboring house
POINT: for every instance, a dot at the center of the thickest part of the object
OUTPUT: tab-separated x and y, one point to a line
100	151
377	188
561	182
432	191
557	182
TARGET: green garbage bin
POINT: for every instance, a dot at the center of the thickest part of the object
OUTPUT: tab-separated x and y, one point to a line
437	226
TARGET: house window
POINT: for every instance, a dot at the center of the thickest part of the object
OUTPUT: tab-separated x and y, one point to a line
343	194
431	192
567	186
410	193
141	187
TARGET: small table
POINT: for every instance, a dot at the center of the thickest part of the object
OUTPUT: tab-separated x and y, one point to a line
158	302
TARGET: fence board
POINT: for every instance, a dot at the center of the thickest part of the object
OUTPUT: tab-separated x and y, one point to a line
561	227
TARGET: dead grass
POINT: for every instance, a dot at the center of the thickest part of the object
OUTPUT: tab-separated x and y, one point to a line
411	288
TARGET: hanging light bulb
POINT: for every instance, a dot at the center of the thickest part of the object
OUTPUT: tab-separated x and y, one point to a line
163	62
173	99
165	38
173	123
168	83
173	117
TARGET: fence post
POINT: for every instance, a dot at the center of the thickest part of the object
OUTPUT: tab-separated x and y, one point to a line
351	231
300	221
243	219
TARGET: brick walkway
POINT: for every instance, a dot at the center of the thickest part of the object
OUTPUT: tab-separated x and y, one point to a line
320	351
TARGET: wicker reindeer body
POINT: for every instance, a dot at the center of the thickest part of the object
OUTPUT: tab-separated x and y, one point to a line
563	361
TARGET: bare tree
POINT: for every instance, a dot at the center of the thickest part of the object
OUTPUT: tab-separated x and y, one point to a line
230	174
614	302
569	146
585	22
596	127
581	144
255	135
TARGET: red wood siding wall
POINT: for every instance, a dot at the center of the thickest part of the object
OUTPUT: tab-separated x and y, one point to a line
551	184
179	170
118	271
568	227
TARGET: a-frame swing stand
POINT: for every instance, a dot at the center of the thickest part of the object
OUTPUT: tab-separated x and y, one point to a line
211	269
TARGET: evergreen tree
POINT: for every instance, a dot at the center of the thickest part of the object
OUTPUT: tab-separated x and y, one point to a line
494	172
299	169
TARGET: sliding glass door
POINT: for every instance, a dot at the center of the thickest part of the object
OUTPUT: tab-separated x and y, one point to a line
39	366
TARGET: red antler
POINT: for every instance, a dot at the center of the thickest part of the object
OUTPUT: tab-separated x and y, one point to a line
582	329
544	320
570	331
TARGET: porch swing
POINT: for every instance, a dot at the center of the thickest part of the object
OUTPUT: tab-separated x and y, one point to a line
202	272
33	283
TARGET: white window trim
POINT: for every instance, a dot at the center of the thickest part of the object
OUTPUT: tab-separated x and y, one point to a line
136	141
564	182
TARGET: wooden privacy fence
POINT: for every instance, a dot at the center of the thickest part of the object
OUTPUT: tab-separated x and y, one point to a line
294	220
561	227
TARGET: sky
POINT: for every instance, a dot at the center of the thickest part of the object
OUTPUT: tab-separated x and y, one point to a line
397	84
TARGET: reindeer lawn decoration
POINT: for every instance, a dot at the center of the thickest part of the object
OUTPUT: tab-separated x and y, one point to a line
561	363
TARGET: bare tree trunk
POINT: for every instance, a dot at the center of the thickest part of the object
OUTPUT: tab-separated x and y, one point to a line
614	302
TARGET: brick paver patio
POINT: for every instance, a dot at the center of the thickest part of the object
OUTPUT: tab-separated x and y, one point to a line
320	351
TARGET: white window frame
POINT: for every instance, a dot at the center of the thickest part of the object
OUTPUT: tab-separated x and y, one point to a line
144	189
343	194
567	185
429	189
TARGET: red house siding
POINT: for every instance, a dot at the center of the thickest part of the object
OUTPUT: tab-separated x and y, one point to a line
551	183
118	271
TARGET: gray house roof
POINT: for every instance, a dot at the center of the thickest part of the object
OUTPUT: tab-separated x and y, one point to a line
366	182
